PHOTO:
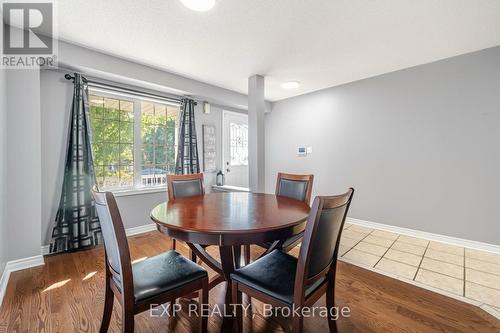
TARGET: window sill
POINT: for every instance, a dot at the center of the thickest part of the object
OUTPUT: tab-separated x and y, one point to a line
139	191
229	188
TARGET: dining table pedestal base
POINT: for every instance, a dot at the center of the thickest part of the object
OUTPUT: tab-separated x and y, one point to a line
229	220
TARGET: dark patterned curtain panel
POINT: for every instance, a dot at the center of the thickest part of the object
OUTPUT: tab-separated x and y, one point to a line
77	225
187	151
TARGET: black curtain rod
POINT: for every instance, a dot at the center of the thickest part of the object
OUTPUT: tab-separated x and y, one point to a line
125	90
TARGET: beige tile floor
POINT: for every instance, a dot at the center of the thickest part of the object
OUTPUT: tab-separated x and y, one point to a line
451	270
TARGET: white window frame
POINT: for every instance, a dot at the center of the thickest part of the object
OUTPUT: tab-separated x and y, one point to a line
138	187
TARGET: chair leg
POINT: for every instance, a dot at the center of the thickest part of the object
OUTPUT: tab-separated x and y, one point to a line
192	255
237	256
203	301
127	320
297	324
246	254
108	308
330	304
173	244
237	304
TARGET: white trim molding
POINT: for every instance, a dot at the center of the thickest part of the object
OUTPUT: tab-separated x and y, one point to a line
369	224
494	312
140	191
492	248
4	280
16	265
140	229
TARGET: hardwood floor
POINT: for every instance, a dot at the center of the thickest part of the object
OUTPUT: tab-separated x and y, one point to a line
65	295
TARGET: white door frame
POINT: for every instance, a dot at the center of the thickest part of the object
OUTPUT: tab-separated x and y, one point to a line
224	133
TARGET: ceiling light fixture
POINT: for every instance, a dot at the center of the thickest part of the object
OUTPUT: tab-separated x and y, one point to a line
199	5
290	85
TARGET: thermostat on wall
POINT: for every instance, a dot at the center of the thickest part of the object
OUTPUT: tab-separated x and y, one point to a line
301	151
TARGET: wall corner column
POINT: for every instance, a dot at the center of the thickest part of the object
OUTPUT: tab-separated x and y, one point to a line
256	133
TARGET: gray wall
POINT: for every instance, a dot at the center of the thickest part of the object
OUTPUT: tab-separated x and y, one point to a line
421	145
3	169
56	94
36	127
23	163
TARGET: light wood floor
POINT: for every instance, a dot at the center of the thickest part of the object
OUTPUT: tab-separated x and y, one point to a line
66	295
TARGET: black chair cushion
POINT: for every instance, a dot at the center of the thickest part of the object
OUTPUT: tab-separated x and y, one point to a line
274	275
162	273
187	188
295	189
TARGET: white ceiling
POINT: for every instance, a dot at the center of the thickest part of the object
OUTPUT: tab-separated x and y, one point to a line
321	43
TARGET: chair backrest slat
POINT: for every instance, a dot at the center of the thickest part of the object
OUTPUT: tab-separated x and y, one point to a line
318	252
298	187
115	239
180	186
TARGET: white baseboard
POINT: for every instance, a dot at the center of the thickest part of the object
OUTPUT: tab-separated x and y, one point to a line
140	229
16	265
428	236
129	232
4	280
24	263
369	224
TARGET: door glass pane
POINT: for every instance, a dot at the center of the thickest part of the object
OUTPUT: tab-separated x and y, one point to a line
238	137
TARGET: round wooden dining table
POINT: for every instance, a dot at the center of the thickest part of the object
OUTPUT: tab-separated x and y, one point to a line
229	220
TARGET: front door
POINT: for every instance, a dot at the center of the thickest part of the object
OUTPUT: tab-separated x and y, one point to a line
235	150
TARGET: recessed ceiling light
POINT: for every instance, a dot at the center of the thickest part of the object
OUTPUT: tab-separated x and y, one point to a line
199	5
290	85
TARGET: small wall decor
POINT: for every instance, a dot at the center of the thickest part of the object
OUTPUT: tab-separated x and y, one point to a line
206	108
209	149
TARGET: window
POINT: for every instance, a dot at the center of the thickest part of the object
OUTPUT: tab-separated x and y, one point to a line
134	141
238	136
158	135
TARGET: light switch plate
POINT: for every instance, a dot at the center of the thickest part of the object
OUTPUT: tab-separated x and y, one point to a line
301	151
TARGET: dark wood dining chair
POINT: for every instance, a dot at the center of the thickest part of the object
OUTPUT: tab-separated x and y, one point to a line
298	187
180	186
156	280
282	280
